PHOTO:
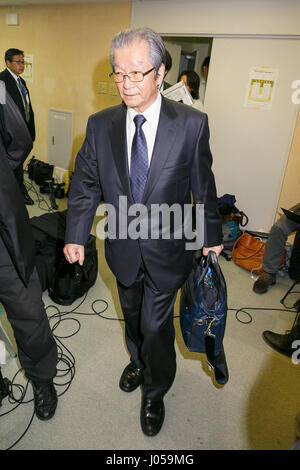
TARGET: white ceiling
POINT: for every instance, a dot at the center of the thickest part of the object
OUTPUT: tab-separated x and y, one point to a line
14	3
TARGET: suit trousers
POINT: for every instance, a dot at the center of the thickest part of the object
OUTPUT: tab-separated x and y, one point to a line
276	243
19	174
149	332
25	311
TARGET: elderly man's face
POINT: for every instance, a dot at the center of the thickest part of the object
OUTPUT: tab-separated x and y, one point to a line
135	58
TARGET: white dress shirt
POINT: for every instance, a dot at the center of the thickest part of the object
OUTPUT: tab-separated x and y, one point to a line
13	74
149	127
198	105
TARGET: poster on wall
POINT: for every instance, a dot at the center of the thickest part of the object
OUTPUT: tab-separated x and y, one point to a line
261	87
28	70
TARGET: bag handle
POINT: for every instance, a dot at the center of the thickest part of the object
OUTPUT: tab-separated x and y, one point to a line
211	260
247	220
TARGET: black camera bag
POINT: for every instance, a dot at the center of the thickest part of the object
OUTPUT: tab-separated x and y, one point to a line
65	282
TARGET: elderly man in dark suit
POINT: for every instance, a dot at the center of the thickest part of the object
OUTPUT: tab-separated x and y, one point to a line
20	289
148	151
17	89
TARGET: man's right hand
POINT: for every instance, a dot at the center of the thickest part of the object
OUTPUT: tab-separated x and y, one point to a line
74	253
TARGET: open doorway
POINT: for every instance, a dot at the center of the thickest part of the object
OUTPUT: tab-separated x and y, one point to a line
188	53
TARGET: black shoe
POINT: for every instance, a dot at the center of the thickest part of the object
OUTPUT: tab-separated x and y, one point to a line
282	343
45	400
152	416
131	378
27	199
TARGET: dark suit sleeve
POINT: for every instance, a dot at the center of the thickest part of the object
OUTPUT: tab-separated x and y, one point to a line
13	90
5	138
15	227
204	188
85	192
14	133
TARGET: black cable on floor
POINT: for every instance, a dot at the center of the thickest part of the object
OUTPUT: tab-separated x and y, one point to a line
39	199
67	359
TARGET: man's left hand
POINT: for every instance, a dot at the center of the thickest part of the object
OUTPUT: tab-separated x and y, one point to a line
216	249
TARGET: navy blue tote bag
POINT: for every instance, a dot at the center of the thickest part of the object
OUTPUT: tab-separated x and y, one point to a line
203	313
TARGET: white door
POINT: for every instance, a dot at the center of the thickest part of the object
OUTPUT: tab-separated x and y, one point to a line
250	146
60	126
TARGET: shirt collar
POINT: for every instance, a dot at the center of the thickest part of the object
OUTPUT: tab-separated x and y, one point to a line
151	114
13	74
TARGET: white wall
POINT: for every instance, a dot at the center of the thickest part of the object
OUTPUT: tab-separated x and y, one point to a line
250	147
215	17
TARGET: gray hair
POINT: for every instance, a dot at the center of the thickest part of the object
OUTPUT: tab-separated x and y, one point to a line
157	54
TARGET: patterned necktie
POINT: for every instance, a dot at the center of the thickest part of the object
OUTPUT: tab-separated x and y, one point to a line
139	160
25	98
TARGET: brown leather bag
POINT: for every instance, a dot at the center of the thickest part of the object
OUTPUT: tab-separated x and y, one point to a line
248	252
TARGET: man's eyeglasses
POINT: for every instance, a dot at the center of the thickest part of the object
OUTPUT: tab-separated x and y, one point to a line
19	61
119	77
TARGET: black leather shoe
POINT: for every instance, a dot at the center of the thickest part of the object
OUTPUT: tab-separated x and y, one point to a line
282	343
45	400
131	378
152	416
27	199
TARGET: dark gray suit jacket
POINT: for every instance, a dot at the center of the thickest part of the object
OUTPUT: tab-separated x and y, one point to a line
15	228
180	164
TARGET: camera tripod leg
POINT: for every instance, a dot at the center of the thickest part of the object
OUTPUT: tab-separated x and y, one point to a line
287	293
52	199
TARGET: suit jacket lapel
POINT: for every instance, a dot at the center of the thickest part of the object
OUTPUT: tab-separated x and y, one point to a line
165	137
118	141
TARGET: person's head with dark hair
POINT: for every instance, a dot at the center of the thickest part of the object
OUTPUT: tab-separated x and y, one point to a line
11	52
168	63
205	66
192	81
14	59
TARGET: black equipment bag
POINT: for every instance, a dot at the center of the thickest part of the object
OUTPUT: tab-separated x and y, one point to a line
49	235
39	171
203	313
65	282
72	281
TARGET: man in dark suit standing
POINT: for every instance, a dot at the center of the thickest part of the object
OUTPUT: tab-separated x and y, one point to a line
146	152
17	89
20	289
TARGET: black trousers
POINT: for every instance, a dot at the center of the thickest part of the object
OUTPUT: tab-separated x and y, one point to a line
37	350
149	332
